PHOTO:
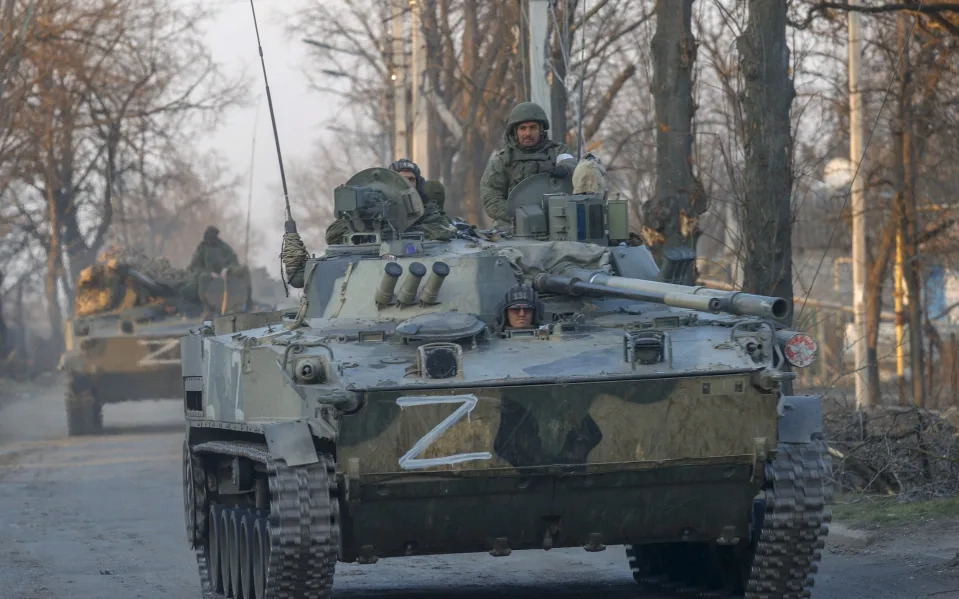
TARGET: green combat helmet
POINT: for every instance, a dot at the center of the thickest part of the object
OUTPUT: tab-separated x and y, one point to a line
527	111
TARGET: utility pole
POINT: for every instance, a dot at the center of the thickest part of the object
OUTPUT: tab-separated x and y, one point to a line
863	396
538	82
420	151
400	76
898	294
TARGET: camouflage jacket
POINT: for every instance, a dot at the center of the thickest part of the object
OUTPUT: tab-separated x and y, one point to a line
512	164
433	224
212	257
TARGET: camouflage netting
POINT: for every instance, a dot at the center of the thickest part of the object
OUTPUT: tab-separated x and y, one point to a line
899	450
106	286
157	268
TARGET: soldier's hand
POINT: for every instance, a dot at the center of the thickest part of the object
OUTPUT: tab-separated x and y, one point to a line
559	171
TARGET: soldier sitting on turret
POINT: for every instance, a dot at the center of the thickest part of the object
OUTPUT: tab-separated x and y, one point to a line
212	258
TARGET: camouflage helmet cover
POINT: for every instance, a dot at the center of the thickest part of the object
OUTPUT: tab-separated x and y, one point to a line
527	111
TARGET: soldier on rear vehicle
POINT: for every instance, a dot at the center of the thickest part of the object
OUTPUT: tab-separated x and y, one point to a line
212	258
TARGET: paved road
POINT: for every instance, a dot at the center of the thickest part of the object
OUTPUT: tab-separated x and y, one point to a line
100	518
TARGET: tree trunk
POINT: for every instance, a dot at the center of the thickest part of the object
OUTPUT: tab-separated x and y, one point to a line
558	88
670	216
873	294
907	207
767	97
54	267
5	345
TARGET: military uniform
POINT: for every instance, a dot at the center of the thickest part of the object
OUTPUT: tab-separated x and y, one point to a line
213	254
436	193
512	164
210	258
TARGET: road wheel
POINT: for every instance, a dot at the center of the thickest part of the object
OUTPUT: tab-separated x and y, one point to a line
227	540
246	556
84	413
235	542
261	556
214	547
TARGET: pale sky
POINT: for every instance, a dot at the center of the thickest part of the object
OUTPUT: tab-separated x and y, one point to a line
299	112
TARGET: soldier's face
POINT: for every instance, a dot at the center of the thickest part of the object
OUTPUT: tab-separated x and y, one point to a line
528	133
410	177
520	317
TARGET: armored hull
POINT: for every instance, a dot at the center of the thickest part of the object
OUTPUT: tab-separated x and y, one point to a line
120	357
379	421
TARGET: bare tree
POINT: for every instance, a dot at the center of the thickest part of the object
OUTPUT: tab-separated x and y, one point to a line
671	215
102	79
474	76
767	99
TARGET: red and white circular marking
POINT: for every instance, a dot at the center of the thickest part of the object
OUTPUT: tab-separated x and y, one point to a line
801	350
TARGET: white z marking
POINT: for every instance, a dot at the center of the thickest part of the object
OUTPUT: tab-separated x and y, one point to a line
160	352
410	461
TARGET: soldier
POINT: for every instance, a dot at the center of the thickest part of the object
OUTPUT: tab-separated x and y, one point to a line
529	151
411	172
436	193
212	254
433	224
521	309
212	258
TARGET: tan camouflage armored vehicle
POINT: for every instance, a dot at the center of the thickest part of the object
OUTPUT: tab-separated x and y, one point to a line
123	343
550	389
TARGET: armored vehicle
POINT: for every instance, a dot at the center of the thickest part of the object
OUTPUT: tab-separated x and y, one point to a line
554	388
123	343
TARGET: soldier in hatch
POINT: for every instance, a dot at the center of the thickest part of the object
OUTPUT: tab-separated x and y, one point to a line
521	309
433	224
529	151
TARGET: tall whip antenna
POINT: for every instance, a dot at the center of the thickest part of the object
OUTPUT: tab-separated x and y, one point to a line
582	79
249	196
290	224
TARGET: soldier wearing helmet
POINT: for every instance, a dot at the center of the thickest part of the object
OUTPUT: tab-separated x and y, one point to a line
212	254
411	172
529	151
521	309
433	224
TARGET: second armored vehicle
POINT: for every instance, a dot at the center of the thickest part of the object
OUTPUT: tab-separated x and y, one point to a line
124	341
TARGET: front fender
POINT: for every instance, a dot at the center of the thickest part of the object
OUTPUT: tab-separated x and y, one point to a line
800	418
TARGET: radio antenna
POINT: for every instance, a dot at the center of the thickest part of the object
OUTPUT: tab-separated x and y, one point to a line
290	226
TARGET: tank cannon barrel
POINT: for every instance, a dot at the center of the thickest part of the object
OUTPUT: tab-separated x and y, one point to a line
733	302
568	285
